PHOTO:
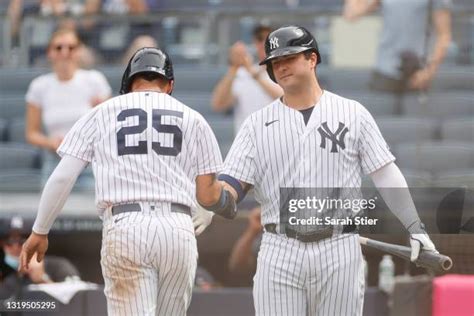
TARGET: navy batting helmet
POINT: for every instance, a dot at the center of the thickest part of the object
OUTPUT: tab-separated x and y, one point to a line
147	60
288	40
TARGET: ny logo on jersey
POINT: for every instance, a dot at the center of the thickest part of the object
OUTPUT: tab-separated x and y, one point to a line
337	138
274	43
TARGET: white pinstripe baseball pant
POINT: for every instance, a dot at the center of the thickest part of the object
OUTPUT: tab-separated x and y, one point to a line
320	278
148	261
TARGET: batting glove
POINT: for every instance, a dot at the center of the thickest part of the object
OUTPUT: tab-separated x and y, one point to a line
201	219
420	242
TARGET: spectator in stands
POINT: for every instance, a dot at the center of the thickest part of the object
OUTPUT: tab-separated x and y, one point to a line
139	42
13	233
246	86
403	58
16	10
116	6
123	31
204	280
58	99
243	258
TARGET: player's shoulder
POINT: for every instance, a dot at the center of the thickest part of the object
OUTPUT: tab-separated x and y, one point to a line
158	100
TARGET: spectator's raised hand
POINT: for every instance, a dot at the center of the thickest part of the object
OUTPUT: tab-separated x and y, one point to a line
237	54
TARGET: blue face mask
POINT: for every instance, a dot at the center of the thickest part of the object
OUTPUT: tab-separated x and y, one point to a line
12	262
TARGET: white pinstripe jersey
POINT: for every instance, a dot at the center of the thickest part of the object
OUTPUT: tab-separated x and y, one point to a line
275	149
144	146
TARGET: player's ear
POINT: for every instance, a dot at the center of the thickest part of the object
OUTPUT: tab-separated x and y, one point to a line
314	59
170	87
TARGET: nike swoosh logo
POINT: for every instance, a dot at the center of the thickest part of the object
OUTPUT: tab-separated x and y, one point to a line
119	219
271	122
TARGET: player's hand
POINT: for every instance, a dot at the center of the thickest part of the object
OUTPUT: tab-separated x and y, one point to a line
36	271
420	242
35	244
201	219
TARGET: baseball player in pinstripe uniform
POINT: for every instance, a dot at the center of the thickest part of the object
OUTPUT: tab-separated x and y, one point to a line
311	138
152	158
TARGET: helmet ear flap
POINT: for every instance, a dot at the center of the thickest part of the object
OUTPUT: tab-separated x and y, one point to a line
270	71
124	87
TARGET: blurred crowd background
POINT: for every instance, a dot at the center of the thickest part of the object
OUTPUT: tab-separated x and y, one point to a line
59	58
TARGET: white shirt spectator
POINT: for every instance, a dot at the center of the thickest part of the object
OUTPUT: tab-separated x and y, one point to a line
250	96
63	102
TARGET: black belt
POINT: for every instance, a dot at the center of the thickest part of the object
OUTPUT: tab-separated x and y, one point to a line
135	207
308	237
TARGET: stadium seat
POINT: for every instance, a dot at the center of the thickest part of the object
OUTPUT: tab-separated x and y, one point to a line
223	129
417	178
434	156
341	80
14	180
400	129
378	104
3	130
457	178
16	131
414	178
200	102
12	107
225	147
454	78
440	105
17	80
458	130
199	79
17	156
114	77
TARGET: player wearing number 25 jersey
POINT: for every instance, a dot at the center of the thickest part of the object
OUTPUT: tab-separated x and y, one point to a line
153	158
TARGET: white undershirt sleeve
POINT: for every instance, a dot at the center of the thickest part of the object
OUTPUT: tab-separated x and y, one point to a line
393	187
56	191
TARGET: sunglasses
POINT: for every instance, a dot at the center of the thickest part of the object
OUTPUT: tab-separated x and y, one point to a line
13	241
60	47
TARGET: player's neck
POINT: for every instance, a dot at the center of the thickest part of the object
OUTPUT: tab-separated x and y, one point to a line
304	98
154	89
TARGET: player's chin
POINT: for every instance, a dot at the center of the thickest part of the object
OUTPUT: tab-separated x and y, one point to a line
285	80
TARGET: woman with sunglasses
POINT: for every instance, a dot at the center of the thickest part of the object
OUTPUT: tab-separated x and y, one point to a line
56	100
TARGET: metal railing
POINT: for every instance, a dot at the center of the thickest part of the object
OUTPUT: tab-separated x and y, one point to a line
197	35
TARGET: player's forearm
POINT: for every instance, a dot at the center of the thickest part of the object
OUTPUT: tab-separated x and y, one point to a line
394	190
56	191
222	95
208	195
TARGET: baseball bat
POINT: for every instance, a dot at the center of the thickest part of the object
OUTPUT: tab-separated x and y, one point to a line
426	259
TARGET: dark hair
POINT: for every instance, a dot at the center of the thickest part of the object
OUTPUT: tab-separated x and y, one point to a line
261	31
149	76
307	54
